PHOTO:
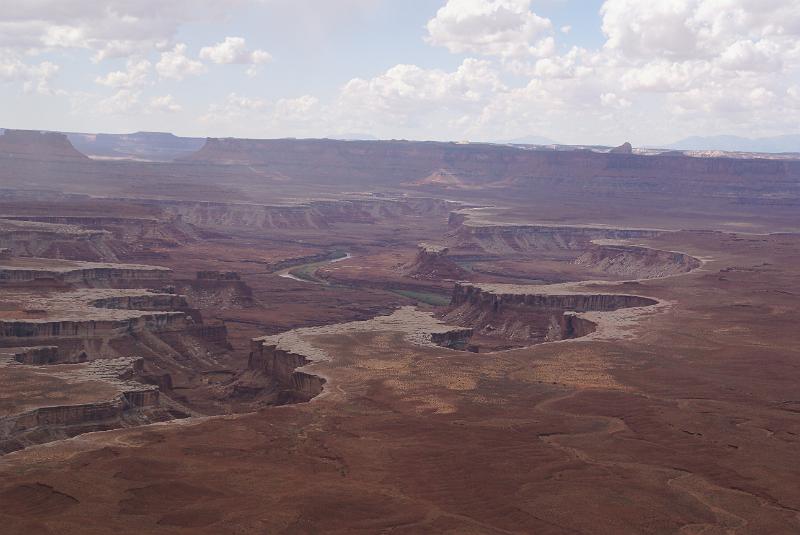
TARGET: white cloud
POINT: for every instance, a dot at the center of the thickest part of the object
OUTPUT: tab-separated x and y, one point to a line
504	28
234	50
233	108
164	104
123	101
134	75
176	65
111	28
34	78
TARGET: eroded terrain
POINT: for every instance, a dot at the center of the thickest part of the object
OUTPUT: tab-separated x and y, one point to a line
467	351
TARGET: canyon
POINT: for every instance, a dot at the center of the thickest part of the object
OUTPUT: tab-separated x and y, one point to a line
305	336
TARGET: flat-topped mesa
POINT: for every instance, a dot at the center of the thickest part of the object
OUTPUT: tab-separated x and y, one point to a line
505	316
636	262
41	146
433	263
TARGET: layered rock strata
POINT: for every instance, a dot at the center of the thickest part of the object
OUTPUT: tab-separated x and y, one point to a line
505	316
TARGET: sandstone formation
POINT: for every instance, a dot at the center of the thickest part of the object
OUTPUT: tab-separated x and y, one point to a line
311	215
625	148
31	421
509	315
94	274
25	238
637	262
505	239
433	263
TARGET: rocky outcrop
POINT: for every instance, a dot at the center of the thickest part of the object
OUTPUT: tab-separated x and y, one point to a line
134	404
37	355
218	275
625	148
455	339
46	240
312	215
527	315
636	262
281	365
85	274
148	301
44	329
432	263
136	233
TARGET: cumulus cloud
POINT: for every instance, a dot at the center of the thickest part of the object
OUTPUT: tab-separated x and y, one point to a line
164	104
177	65
134	75
233	50
34	77
111	28
504	28
122	102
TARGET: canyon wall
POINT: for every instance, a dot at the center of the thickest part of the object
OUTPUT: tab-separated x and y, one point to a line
312	215
44	329
281	365
504	318
509	239
637	262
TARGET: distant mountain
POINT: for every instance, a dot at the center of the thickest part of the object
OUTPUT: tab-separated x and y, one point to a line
787	143
353	136
530	140
150	146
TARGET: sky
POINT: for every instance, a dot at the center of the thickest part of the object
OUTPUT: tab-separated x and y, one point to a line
574	71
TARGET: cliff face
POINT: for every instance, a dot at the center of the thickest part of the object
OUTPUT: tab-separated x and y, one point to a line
37	421
513	319
313	215
474	164
85	276
44	329
509	239
44	240
281	366
34	145
637	262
